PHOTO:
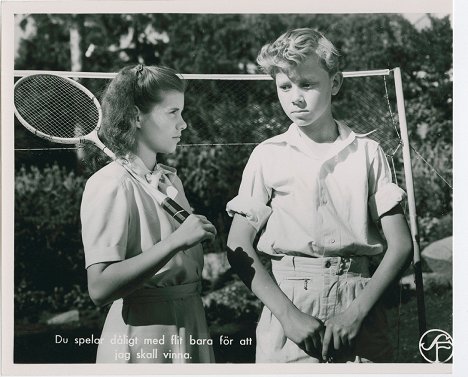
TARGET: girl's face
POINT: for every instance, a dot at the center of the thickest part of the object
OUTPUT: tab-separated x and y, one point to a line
305	92
160	129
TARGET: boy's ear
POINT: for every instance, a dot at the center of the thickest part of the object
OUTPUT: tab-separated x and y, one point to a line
337	81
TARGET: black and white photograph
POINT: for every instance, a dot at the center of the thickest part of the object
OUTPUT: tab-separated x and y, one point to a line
228	188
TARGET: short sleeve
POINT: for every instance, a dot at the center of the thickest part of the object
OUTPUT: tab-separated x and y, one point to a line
251	201
104	221
383	193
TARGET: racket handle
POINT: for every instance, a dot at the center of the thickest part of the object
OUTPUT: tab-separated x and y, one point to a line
176	211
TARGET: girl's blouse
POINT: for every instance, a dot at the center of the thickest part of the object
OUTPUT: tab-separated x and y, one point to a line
317	204
121	220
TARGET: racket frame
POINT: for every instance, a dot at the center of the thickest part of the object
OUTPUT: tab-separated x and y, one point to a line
174	209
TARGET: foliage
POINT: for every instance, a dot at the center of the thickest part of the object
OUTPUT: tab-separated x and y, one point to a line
49	260
30	305
433	229
232	303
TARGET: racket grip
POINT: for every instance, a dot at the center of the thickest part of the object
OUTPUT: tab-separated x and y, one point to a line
176	211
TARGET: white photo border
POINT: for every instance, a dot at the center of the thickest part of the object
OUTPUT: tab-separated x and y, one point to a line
9	8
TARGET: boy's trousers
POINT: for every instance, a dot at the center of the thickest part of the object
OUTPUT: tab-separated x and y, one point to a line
322	287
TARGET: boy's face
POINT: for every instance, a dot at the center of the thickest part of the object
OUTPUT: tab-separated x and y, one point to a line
305	91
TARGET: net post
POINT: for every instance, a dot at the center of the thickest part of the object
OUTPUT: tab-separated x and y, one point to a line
411	201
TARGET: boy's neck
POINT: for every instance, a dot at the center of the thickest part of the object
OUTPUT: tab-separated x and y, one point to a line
322	130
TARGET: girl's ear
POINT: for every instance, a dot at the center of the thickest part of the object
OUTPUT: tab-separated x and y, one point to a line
337	81
137	117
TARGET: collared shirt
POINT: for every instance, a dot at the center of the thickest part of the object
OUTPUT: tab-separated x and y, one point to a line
317	204
120	220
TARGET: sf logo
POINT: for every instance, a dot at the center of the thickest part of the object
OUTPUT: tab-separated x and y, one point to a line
436	346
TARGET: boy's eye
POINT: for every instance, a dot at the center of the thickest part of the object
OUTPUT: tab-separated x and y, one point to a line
285	87
308	84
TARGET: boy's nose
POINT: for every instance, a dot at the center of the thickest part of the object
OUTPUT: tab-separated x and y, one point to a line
297	98
298	101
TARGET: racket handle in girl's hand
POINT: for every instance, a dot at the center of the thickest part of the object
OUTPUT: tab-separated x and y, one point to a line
176	211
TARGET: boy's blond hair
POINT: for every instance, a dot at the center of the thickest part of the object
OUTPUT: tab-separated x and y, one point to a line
295	46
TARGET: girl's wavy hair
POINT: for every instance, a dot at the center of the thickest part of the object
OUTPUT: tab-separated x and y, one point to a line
139	86
294	47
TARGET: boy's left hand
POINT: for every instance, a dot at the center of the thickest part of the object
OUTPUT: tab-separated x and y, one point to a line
341	331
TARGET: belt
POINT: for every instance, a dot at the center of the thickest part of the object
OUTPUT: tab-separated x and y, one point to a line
169	293
326	265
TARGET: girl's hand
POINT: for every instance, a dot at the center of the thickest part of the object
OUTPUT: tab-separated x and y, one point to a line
341	331
195	229
304	330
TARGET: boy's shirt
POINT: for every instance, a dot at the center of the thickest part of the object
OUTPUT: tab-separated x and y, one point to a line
317	204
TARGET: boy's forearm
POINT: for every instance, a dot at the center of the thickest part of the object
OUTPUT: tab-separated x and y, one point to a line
389	269
246	263
396	257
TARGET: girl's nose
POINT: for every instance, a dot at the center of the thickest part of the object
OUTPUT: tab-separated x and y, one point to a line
181	125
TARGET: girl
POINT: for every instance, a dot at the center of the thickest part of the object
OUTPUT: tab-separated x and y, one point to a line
137	257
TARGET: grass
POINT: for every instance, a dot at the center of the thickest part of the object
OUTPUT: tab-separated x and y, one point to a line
439	315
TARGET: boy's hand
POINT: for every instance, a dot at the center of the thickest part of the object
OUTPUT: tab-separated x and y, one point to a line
341	331
304	330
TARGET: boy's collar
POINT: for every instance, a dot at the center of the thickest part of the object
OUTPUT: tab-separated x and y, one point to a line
293	137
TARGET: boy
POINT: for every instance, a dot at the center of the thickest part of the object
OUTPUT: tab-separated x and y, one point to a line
316	192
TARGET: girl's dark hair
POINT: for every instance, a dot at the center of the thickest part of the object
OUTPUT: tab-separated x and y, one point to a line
139	86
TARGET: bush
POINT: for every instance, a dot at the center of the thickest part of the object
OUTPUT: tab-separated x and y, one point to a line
232	303
49	258
33	306
434	229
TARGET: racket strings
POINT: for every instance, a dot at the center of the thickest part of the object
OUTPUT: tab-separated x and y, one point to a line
55	107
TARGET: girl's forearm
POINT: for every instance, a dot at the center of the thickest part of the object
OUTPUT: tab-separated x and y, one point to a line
246	263
108	282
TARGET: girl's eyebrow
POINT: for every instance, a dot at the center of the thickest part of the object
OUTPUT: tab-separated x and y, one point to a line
173	108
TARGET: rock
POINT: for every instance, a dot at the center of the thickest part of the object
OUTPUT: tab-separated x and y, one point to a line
67	317
438	256
431	281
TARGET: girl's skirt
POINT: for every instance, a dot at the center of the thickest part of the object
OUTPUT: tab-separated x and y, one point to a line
322	287
157	325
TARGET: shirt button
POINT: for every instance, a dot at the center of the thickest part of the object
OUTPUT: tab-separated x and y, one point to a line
332	241
327	264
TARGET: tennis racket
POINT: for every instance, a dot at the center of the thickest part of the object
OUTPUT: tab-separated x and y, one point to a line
63	111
